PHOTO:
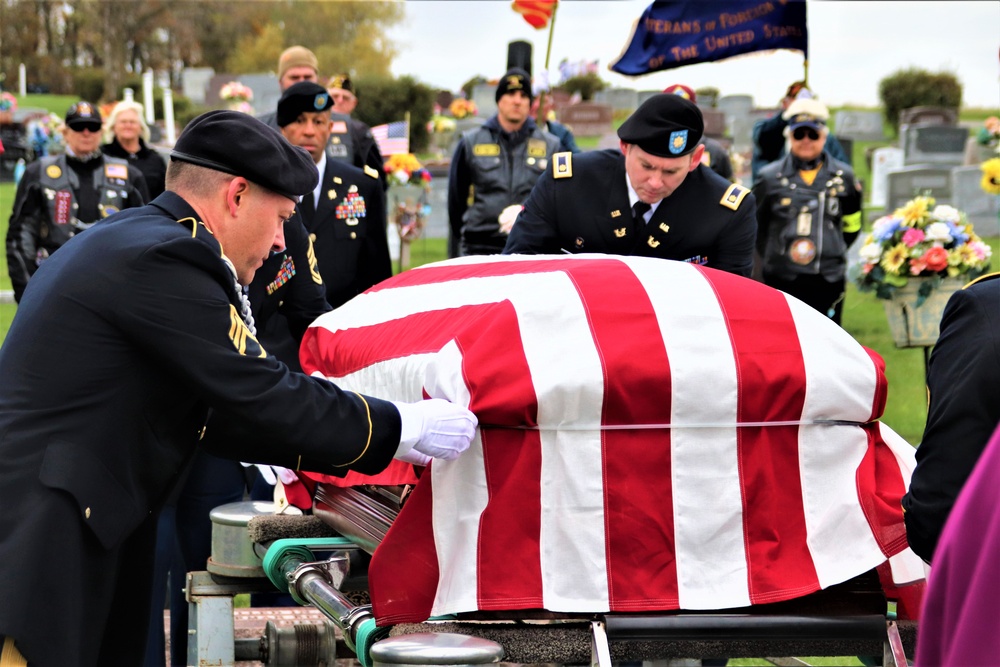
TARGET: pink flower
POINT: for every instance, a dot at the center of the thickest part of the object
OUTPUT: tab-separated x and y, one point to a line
913	236
917	266
867	268
936	258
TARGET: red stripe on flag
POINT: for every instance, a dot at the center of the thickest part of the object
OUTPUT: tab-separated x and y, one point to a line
880	492
641	567
509	568
762	331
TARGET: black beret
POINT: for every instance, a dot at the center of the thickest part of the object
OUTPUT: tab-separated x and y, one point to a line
237	143
665	125
299	97
514	79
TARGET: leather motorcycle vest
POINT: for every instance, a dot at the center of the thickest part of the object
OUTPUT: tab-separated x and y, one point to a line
59	185
501	177
341	143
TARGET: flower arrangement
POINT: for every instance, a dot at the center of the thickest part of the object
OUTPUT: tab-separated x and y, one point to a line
461	108
920	239
441	125
7	102
234	91
405	169
991	176
989	133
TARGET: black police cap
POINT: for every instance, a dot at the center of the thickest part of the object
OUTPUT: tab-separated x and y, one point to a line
237	143
665	125
302	96
515	79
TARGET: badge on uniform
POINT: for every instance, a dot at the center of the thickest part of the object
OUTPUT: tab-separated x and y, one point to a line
338	127
63	201
486	150
802	251
562	165
536	148
351	207
620	232
678	141
616	213
53	171
664	227
285	273
653	243
319	102
331	194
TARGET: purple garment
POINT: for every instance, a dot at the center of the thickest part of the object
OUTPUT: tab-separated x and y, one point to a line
958	625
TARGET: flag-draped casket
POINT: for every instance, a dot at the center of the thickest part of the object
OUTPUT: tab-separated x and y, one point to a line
654	435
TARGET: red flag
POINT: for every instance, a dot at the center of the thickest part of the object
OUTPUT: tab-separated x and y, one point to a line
654	435
537	13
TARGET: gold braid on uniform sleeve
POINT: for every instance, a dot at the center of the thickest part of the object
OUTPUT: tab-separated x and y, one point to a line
368	411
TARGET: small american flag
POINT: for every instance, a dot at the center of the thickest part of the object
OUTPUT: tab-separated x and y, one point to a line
392	138
654	435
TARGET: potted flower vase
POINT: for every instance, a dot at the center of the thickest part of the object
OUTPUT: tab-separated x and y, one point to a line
918	326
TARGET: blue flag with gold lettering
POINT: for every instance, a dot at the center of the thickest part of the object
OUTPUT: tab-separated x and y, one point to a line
674	33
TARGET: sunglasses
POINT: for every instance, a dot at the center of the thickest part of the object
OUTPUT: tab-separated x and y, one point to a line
801	133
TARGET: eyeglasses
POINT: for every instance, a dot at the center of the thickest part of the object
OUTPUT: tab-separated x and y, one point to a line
801	133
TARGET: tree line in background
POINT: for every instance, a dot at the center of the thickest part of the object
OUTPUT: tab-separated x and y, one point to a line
95	48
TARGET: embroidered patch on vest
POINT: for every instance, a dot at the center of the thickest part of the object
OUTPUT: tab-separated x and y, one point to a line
486	150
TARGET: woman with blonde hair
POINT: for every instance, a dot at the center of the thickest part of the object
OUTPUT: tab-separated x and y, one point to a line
126	135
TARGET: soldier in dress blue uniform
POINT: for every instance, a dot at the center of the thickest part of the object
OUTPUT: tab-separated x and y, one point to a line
161	360
963	384
62	195
345	215
651	197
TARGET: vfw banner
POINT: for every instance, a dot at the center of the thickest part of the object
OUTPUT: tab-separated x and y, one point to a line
654	435
672	34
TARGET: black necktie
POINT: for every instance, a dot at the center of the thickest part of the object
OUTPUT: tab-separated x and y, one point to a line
307	208
638	211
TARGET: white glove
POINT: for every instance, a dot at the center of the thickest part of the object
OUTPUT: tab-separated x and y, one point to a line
508	217
436	428
414	457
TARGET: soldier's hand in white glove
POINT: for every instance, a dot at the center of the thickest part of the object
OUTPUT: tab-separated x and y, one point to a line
436	428
508	217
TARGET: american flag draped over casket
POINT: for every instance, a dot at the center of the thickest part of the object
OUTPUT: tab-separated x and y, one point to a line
654	435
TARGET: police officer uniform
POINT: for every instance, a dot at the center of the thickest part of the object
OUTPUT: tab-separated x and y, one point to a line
62	195
582	203
808	213
963	382
94	441
492	169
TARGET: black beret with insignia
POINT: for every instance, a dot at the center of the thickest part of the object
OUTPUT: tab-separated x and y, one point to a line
237	143
665	125
515	79
300	97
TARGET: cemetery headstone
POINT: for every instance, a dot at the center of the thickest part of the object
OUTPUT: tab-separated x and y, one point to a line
909	182
928	115
194	83
934	144
484	95
982	208
884	160
735	105
859	125
620	99
588	119
715	122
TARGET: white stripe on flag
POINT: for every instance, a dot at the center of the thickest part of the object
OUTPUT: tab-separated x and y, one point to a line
708	504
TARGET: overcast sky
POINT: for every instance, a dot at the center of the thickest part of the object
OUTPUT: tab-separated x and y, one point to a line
852	44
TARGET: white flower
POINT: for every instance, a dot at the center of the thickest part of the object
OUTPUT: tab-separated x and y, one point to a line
938	231
945	212
870	252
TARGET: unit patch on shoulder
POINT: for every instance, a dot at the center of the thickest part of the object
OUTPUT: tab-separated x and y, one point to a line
562	165
371	171
734	196
486	150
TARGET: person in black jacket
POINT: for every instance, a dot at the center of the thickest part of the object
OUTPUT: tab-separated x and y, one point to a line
651	197
963	383
60	196
808	214
160	359
126	137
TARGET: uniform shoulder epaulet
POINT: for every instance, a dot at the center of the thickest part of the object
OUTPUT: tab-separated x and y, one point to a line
562	165
734	196
982	279
371	171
